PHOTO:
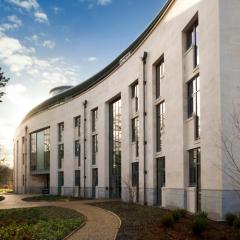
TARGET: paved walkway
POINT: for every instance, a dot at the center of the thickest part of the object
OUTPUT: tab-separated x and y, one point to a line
100	225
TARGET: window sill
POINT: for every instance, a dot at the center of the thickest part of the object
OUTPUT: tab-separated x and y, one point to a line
159	100
189	119
197	141
134	115
188	50
158	154
196	69
191	188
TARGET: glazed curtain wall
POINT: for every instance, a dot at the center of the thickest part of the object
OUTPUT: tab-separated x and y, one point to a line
40	150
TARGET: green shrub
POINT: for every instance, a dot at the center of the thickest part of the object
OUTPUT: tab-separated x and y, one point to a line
168	220
230	217
199	224
178	213
236	222
182	212
2	198
202	214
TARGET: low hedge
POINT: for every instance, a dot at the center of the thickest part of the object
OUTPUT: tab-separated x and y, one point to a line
52	198
199	224
168	220
38	223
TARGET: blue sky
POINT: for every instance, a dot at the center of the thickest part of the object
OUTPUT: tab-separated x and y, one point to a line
47	43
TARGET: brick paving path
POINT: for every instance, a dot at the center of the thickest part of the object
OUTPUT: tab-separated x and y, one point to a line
100	224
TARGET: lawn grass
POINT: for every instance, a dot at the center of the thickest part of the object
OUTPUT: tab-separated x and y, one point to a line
51	198
46	223
145	223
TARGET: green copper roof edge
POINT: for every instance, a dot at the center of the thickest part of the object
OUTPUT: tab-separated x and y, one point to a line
82	87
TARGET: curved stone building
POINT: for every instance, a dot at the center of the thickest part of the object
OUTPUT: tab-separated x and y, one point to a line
148	126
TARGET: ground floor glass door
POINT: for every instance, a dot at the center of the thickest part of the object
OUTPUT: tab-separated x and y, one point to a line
94	181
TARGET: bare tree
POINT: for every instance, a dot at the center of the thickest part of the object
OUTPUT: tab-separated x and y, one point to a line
6	173
3	82
132	191
231	149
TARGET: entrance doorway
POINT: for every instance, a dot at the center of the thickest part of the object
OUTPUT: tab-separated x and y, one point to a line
195	174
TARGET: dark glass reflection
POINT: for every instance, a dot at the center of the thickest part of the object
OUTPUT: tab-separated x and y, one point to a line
115	134
40	150
194	103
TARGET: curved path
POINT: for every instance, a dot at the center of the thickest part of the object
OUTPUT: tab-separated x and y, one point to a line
100	224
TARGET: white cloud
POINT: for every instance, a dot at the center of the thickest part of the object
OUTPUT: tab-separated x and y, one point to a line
14	19
48	44
67	40
33	38
16	93
14	55
41	17
57	10
31	6
92	3
104	2
22	60
92	59
13	23
25	4
17	98
39	41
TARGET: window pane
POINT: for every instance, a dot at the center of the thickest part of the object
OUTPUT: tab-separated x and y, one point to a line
94	148
190	99
94	119
158	81
134	130
160	68
197	45
60	155
160	112
77	124
40	150
115	134
189	40
77	148
60	179
60	131
135	173
77	177
194	166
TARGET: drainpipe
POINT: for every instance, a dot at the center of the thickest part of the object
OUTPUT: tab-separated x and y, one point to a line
144	60
84	147
25	159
